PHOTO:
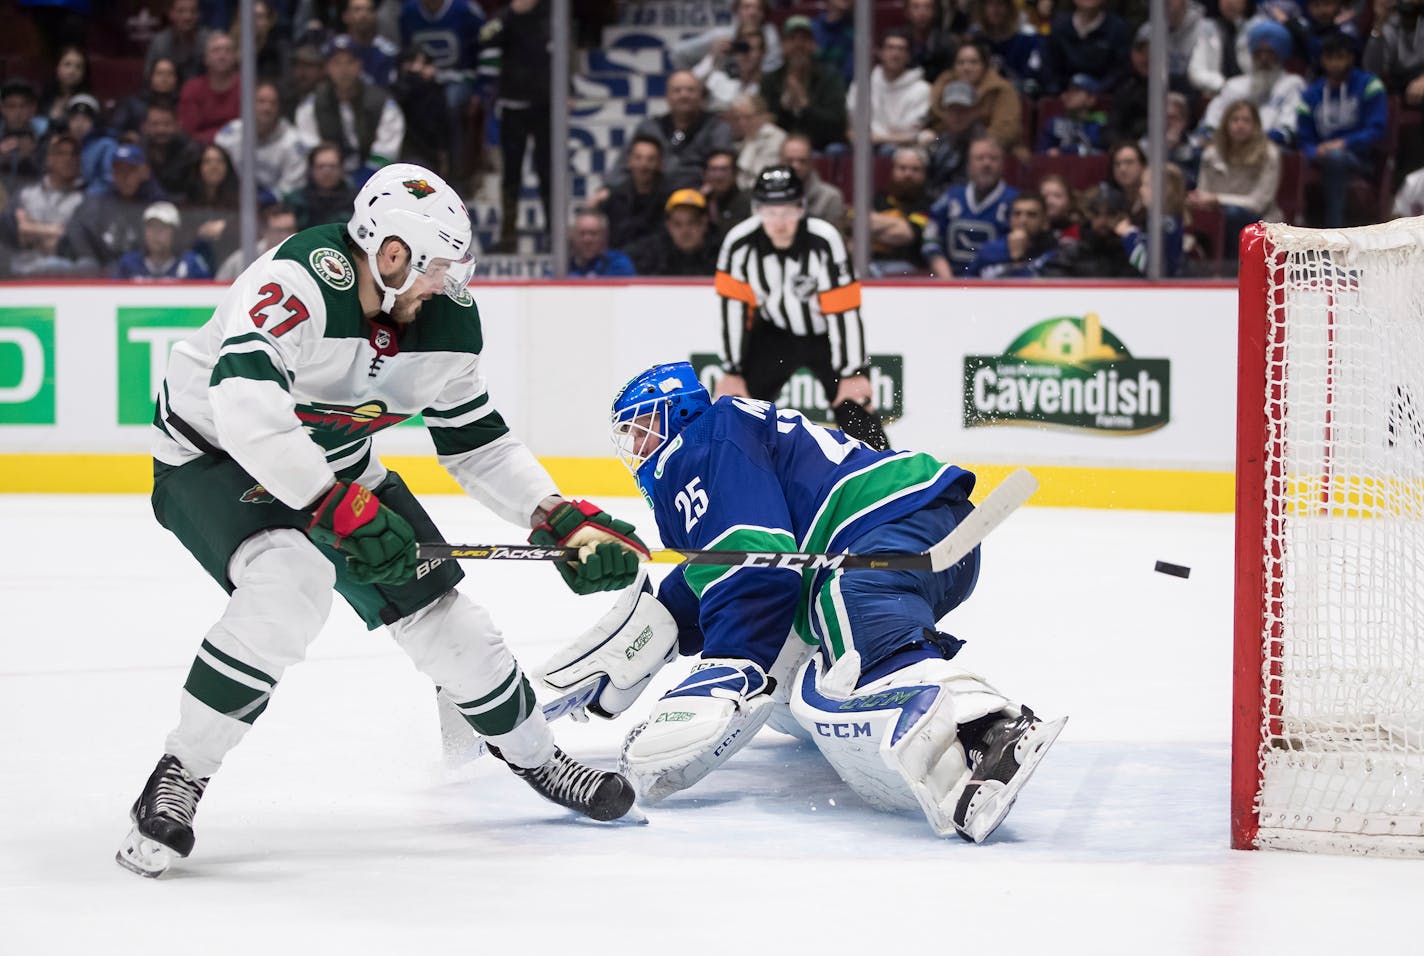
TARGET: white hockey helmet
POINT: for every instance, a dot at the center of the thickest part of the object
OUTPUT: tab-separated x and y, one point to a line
420	209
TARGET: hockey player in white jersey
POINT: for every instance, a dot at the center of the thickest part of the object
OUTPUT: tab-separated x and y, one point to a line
881	696
263	470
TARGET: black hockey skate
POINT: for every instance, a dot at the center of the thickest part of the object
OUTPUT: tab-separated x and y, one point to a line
1003	752
163	819
598	794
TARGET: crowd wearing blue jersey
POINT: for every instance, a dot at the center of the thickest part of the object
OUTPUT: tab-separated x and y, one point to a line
462	86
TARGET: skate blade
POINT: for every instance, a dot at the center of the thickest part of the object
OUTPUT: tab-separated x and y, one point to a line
634	817
143	856
993	810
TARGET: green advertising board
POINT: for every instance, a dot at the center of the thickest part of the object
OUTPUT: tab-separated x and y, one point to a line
804	393
146	335
1068	372
27	363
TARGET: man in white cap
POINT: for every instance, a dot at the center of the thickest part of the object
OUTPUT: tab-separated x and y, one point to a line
948	148
159	257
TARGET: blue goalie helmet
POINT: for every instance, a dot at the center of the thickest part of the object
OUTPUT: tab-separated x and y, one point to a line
652	408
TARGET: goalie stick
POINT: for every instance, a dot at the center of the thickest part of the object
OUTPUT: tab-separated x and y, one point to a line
997	505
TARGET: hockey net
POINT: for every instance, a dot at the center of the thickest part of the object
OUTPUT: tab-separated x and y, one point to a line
1328	739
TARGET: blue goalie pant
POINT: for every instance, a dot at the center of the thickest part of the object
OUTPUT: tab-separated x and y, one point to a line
888	618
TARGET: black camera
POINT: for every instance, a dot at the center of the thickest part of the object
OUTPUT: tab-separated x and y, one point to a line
741	46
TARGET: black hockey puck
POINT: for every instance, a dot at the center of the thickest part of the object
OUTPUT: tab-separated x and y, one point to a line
1176	570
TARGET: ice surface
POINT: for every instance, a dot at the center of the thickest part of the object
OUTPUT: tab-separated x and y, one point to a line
336	828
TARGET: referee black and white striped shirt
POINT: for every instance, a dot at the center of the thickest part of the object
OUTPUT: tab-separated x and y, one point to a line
809	289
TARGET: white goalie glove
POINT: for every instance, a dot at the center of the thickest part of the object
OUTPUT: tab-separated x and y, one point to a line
619	654
895	741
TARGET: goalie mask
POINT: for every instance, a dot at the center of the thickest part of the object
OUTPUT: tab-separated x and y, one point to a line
652	408
412	204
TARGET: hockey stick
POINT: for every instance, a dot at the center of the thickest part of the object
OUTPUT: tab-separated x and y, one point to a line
460	742
997	505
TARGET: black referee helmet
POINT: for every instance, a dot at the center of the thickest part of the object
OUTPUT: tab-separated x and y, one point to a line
778	185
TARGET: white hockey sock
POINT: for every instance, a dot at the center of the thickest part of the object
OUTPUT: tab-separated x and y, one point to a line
281	598
529	745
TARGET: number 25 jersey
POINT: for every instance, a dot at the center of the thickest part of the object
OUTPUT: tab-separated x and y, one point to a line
747	476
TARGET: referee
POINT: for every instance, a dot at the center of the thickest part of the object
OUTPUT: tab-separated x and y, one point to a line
790	299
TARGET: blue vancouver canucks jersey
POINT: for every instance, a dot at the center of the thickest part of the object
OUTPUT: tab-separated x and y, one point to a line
747	476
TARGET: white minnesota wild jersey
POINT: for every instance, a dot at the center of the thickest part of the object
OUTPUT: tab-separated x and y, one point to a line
292	381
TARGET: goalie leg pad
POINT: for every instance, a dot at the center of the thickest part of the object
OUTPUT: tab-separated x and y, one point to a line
783	673
622	651
895	741
696	727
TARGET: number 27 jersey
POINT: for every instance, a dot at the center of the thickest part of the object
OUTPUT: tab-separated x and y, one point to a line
747	476
292	381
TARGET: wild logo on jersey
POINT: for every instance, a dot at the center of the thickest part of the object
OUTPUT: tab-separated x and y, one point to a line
256	495
332	267
1072	373
418	188
332	426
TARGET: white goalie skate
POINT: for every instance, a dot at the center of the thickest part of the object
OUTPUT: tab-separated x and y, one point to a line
696	727
1003	757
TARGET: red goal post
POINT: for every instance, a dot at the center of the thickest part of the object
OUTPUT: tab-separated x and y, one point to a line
1328	701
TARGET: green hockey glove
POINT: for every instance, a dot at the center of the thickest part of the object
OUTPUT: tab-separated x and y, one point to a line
378	543
609	551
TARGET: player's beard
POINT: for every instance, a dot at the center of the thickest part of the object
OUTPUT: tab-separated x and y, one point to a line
407	306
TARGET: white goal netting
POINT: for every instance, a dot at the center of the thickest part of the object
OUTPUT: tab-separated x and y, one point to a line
1342	735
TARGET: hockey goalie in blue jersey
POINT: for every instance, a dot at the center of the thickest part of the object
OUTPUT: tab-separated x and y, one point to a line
851	659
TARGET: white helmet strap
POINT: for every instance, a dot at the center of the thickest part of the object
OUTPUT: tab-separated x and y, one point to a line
388	294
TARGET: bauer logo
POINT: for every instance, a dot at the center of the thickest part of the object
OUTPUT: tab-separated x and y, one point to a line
27	363
1071	373
804	393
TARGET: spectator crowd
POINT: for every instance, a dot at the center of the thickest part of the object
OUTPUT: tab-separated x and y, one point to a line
1010	138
